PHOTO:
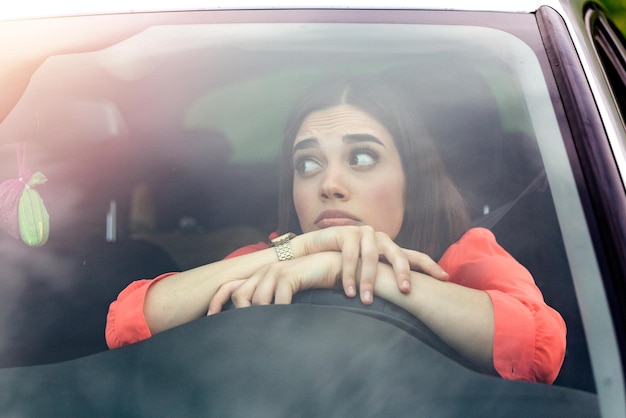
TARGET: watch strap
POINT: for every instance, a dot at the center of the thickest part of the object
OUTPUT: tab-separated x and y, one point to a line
282	245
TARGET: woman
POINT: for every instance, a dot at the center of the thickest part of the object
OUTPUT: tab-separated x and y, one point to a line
363	185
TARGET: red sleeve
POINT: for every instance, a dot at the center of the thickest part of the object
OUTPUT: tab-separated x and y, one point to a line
126	323
529	336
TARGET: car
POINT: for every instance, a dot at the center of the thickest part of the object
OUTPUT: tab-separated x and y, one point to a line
156	131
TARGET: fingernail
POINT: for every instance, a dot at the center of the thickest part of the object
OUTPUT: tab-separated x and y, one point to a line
367	296
351	291
406	284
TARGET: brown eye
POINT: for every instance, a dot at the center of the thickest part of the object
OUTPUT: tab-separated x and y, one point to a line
306	165
364	158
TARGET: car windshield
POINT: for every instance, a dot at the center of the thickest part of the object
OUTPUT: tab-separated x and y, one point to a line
161	153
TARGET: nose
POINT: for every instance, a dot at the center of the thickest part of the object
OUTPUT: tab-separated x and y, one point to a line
333	185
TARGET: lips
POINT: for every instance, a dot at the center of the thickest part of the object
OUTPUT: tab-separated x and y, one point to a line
330	218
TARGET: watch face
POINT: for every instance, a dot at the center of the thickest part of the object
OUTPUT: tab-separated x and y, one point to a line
283	238
279	240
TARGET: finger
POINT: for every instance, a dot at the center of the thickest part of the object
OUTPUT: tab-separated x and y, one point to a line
264	291
350	254
284	292
370	251
222	296
402	272
397	257
422	262
242	296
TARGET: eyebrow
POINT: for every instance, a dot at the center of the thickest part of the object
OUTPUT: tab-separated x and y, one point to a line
306	143
357	138
348	139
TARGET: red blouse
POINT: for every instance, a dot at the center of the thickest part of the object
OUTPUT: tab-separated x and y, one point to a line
529	336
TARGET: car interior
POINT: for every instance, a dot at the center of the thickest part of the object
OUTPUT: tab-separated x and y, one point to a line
167	160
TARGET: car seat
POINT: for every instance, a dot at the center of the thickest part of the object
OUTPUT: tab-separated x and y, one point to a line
500	175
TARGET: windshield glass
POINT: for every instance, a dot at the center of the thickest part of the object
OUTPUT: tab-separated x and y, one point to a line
162	153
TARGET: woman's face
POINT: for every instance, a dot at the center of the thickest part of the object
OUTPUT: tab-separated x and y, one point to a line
347	171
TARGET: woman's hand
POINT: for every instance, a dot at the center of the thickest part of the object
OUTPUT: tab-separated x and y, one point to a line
278	282
362	248
350	252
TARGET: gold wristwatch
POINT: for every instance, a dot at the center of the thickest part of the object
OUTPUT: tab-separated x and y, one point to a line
282	245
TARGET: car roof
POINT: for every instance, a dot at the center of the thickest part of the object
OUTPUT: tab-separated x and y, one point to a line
35	8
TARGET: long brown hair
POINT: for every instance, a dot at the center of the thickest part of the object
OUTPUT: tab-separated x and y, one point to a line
434	215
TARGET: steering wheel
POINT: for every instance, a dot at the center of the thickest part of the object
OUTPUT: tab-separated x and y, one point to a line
311	359
380	309
322	356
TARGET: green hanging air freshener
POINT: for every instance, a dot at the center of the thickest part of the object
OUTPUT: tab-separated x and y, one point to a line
34	221
22	212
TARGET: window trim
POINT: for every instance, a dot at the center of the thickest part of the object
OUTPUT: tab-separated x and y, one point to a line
604	202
